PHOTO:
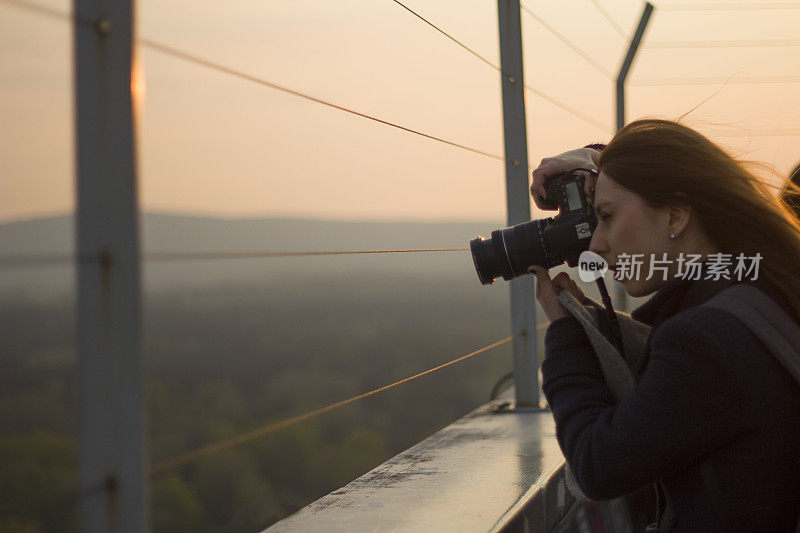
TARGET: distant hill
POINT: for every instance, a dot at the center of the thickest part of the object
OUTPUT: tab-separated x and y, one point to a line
191	234
179	233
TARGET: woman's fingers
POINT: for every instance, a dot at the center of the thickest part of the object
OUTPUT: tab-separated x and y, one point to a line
543	282
551	166
537	188
547	291
549	288
563	281
588	184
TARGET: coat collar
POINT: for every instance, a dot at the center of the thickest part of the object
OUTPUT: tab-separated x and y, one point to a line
675	296
679	294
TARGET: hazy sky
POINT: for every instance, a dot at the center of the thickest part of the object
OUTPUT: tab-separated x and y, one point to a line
213	144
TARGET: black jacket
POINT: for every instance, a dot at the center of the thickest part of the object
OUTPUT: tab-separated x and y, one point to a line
708	391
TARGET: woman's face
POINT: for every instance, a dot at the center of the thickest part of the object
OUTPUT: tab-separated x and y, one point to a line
626	224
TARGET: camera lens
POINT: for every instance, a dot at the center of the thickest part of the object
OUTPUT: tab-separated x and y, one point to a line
510	251
546	242
487	262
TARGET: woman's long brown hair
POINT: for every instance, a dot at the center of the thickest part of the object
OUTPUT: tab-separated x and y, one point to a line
667	163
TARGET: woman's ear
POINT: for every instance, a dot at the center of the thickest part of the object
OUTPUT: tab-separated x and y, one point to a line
678	216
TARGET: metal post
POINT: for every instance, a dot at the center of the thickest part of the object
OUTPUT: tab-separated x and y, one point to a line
626	64
619	293
112	454
523	309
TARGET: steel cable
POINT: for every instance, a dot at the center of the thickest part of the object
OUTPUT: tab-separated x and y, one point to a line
537	92
188	457
760	43
762	6
440	30
56	259
610	20
174	52
567	42
731	80
203	62
164	49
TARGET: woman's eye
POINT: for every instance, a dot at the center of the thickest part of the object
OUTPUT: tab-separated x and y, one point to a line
604	216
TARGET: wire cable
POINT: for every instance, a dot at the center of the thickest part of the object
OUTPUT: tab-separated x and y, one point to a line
495	66
36	8
233	255
774	132
174	52
12	261
567	42
188	457
761	6
56	259
571	110
762	43
609	18
440	30
220	68
741	80
188	57
202	62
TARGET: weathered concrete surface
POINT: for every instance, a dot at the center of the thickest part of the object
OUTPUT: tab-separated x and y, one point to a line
484	472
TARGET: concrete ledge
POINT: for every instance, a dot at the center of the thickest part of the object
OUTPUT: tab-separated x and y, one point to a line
485	472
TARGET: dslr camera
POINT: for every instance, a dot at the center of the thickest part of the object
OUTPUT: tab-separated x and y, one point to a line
547	242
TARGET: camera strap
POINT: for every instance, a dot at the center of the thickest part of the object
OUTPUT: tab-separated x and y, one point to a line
610	318
617	370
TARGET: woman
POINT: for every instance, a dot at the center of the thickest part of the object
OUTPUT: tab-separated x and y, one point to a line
708	392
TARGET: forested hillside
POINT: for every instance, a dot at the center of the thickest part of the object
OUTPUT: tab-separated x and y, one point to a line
234	345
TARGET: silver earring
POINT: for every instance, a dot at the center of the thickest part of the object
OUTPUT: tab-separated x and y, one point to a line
671	235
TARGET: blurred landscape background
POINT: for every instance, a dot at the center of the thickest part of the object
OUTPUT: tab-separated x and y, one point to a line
233	345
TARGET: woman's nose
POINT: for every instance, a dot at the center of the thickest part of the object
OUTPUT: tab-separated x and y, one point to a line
598	244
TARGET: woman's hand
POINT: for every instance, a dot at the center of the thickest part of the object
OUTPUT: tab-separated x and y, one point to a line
547	292
586	158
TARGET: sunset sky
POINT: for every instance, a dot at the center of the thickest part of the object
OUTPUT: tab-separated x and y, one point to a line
212	144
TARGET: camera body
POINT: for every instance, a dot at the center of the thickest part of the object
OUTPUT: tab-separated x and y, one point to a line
547	242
